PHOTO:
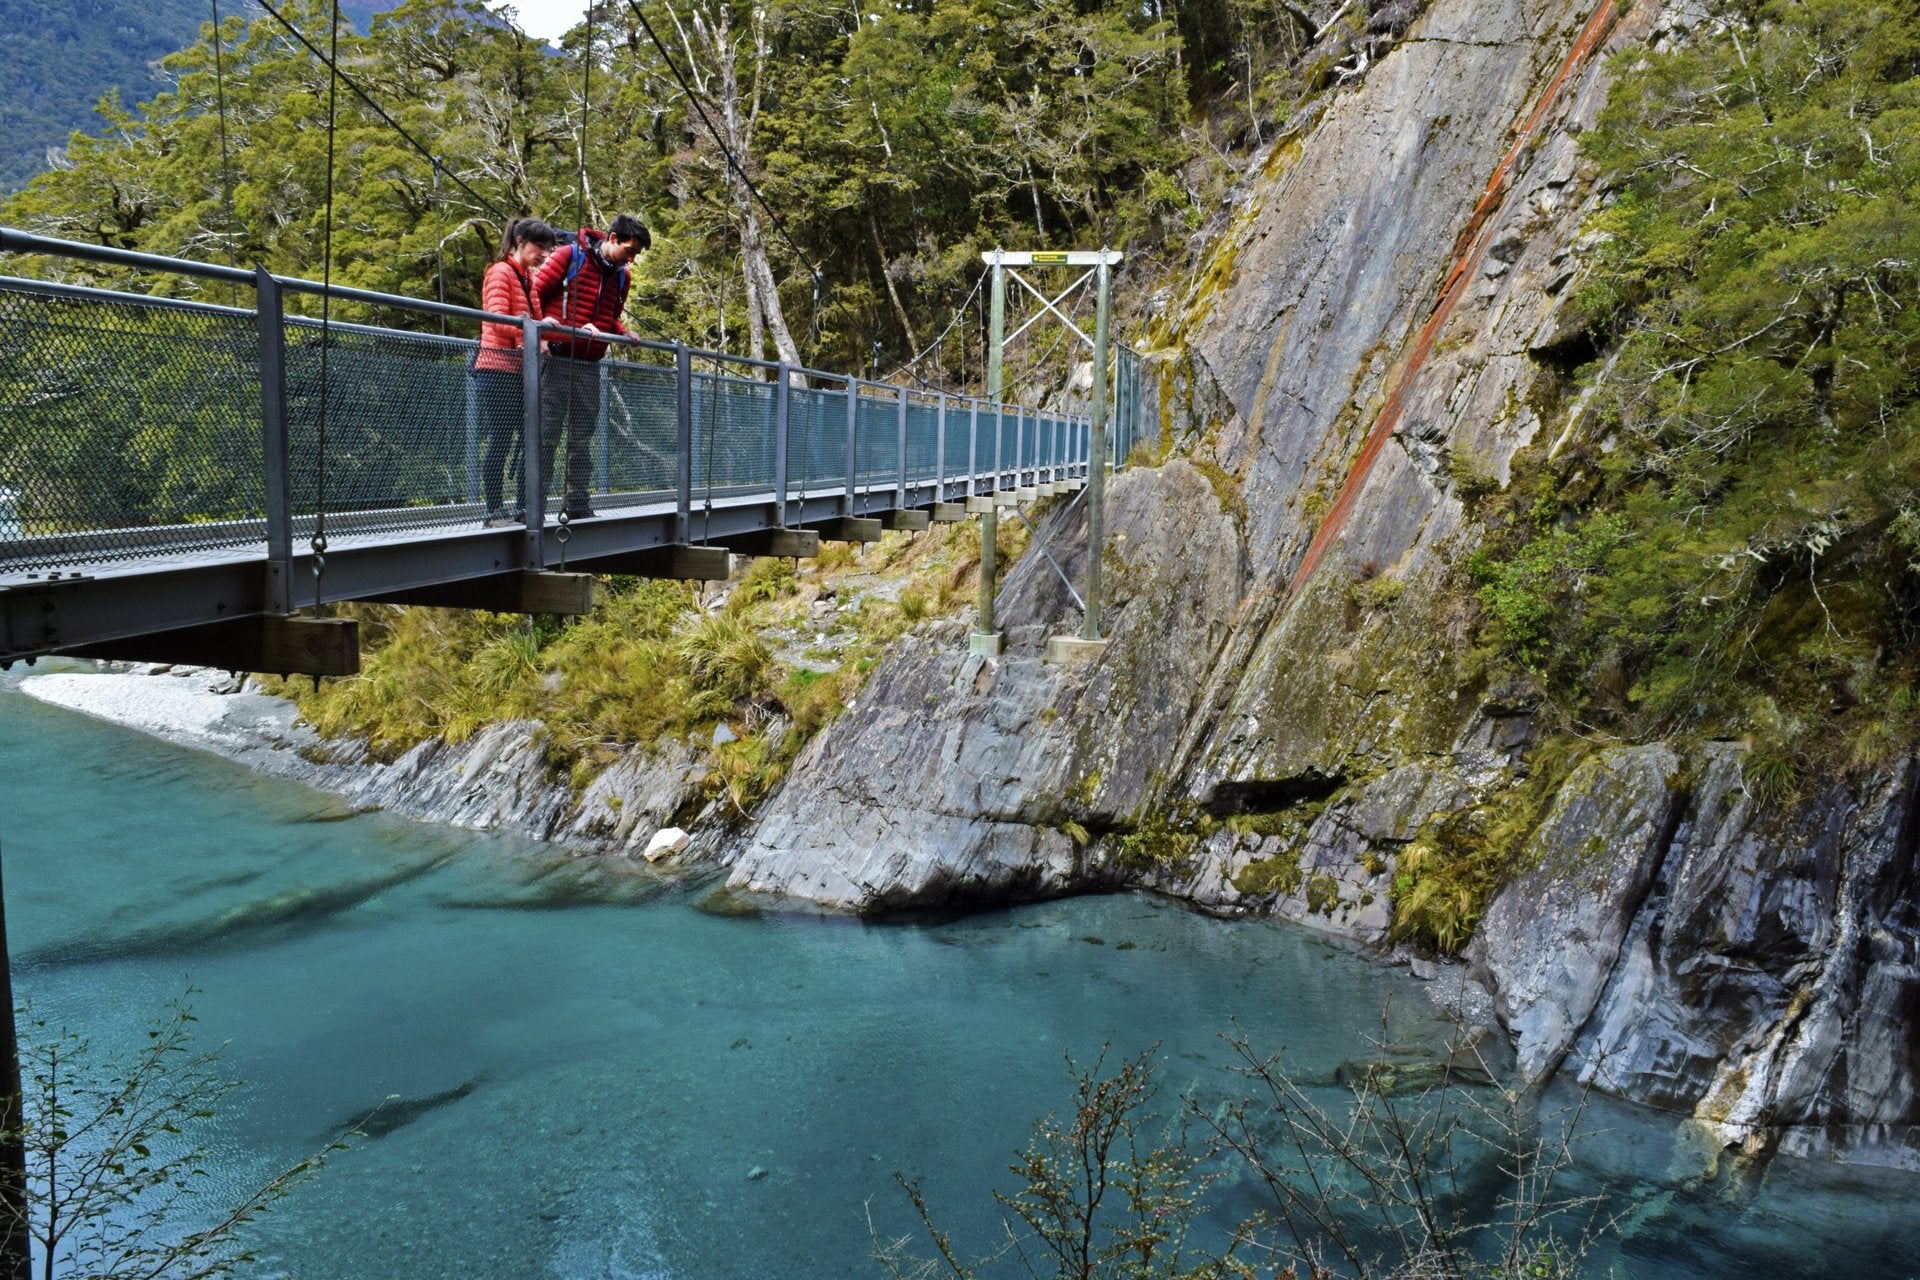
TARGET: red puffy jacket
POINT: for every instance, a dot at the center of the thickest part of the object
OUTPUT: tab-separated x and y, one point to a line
505	292
596	296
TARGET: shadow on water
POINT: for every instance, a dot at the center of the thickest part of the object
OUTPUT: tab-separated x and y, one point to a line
262	922
554	884
395	1112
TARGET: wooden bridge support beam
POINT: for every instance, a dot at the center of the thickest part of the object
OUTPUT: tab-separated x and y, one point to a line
276	645
520	591
948	512
850	529
800	543
686	564
911	521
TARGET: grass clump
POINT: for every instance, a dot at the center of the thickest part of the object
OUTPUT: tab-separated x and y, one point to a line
1279	874
654	660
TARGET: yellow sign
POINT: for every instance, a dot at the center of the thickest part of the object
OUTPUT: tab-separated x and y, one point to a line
1049	259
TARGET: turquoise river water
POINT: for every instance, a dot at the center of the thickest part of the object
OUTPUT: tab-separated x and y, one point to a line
597	1079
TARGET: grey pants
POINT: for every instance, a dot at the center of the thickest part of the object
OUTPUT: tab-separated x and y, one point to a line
570	407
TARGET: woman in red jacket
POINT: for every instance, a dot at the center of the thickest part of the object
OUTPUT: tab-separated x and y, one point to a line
506	291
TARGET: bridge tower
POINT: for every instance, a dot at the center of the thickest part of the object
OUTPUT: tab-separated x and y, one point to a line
1098	264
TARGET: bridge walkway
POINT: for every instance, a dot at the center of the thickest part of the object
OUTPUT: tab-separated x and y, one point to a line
178	477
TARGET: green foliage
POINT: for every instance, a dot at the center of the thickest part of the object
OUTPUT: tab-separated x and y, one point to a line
895	143
1161	843
1279	874
1448	873
1736	519
116	1172
1101	1193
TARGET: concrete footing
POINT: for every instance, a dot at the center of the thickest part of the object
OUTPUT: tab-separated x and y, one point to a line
1072	651
987	644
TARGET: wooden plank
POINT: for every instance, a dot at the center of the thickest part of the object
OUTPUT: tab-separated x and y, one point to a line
851	529
518	591
776	542
281	646
686	564
948	512
911	521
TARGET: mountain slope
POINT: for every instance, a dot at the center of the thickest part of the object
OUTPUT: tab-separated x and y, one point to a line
58	58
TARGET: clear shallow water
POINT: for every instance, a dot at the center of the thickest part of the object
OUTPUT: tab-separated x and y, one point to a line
590	1069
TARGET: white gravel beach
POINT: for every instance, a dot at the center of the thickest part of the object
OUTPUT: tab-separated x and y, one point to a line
185	705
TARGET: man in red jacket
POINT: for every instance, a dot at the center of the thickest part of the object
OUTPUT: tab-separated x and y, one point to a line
583	285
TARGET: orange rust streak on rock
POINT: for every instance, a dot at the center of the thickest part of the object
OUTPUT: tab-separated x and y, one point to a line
1471	251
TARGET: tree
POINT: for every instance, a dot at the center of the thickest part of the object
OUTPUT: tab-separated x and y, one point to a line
1751	419
1101	1196
1404	1173
112	1164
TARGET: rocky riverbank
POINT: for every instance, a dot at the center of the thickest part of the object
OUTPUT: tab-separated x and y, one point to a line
498	779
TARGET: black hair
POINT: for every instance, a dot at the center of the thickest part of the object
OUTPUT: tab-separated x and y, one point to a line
628	227
521	230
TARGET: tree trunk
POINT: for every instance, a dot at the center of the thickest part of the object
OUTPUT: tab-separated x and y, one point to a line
893	294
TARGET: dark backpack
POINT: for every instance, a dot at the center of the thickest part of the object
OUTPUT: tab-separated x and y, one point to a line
581	248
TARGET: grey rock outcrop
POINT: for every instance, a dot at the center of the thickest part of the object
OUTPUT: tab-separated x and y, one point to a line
954	778
1770	984
1549	941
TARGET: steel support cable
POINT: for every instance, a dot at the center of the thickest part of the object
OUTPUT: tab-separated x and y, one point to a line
693	100
959	314
318	543
226	164
713	383
380	111
564	533
1021	570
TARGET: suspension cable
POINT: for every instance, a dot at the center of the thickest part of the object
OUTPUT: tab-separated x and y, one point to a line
226	164
319	541
586	108
378	110
959	314
693	100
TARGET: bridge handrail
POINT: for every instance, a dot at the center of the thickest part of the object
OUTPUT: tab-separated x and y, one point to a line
211	427
13	240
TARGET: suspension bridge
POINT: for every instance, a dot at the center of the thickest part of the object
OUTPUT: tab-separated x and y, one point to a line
178	480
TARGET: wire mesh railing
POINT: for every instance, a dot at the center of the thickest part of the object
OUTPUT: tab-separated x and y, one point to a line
135	428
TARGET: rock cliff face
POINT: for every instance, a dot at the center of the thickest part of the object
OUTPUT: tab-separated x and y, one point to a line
1256	747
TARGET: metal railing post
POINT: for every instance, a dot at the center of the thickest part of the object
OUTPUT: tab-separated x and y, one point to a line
602	436
782	422
973	447
900	496
683	443
1019	446
473	440
270	317
853	438
999	454
533	462
940	450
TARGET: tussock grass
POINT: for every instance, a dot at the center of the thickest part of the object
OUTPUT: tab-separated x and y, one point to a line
655	661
